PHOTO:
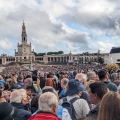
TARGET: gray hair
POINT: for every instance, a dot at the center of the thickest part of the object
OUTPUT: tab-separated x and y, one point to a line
47	102
114	76
81	77
65	81
17	95
29	80
91	75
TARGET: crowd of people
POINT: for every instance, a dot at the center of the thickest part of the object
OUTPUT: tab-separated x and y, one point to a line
60	92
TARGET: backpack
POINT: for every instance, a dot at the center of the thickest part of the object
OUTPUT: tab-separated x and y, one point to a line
69	106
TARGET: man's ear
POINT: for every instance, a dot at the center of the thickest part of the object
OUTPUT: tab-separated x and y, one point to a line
23	101
55	109
95	95
79	94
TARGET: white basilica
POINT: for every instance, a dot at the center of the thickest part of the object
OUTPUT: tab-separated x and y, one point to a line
24	54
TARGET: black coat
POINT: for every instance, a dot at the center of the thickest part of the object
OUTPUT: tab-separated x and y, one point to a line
93	114
22	114
42	82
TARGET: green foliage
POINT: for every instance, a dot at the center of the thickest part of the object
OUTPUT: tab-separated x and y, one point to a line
100	60
55	53
49	53
60	52
39	54
112	66
35	53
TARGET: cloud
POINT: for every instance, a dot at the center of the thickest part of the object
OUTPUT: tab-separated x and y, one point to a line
104	47
5	44
47	28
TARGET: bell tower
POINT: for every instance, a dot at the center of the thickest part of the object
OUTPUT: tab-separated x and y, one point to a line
24	34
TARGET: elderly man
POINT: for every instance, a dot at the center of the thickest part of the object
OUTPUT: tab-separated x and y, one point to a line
114	76
29	84
19	99
74	91
64	83
48	105
92	76
82	79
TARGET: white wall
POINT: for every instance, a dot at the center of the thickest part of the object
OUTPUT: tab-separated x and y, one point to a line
114	57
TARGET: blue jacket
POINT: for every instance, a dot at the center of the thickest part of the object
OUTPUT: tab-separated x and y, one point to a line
22	113
21	84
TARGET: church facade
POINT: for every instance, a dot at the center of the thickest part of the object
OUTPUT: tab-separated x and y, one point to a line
25	55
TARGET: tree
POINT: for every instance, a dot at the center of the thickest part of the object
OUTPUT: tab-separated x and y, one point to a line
100	60
39	54
35	53
55	53
112	66
60	52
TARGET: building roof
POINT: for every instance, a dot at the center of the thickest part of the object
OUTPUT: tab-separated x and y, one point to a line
115	50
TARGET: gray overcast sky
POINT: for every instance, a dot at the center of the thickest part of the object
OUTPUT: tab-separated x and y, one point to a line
67	25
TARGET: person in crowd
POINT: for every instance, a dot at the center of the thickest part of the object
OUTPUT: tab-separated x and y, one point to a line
7	111
110	107
59	81
30	91
82	79
92	77
74	73
114	76
81	107
64	83
19	99
2	99
115	79
7	85
34	103
20	81
66	75
29	83
1	79
96	92
48	105
13	82
1	86
49	81
61	113
42	80
5	91
104	77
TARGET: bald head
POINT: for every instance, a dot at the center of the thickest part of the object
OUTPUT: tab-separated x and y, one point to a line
41	74
81	77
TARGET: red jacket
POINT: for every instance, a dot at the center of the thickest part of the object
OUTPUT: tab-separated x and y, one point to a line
44	116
